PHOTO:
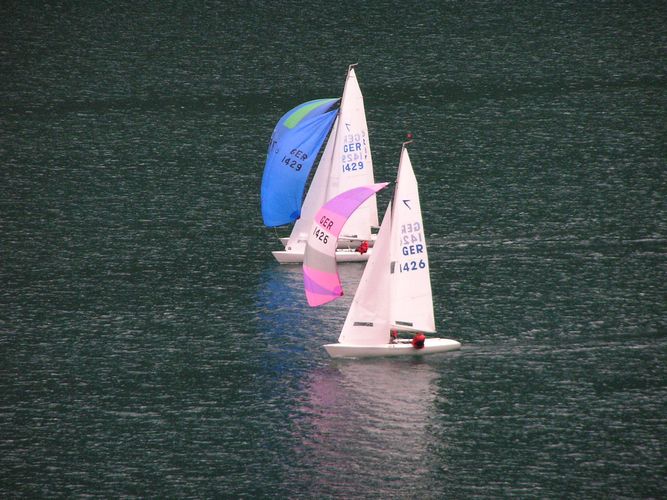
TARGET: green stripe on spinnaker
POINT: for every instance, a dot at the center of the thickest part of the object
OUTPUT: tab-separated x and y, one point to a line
298	115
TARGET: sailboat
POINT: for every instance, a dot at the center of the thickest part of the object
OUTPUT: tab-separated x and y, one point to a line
394	297
345	163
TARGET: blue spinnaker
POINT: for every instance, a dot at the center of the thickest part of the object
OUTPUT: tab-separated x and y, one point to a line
296	140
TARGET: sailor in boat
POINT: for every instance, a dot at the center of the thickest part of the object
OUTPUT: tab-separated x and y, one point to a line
393	336
363	248
418	340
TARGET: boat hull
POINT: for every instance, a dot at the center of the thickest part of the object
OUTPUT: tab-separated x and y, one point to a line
287	257
343	242
431	346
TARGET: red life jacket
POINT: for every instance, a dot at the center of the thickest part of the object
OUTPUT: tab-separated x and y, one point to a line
418	341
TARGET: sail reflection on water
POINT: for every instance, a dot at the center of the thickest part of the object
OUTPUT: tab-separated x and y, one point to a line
367	423
284	315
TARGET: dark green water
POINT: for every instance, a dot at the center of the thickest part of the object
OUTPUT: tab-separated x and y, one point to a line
151	347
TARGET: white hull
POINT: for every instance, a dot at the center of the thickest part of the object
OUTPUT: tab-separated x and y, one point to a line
343	242
343	255
431	346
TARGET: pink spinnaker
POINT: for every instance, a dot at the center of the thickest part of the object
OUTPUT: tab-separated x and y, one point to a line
320	273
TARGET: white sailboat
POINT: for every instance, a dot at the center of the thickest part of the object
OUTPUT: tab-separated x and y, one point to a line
345	163
394	294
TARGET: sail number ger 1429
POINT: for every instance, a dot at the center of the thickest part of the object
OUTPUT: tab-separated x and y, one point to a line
353	152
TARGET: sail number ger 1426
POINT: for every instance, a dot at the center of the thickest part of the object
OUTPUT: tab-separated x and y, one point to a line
412	244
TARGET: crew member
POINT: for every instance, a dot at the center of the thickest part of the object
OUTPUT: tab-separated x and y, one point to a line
418	340
363	248
393	336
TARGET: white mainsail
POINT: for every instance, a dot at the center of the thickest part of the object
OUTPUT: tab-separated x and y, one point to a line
395	288
412	299
346	163
352	164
